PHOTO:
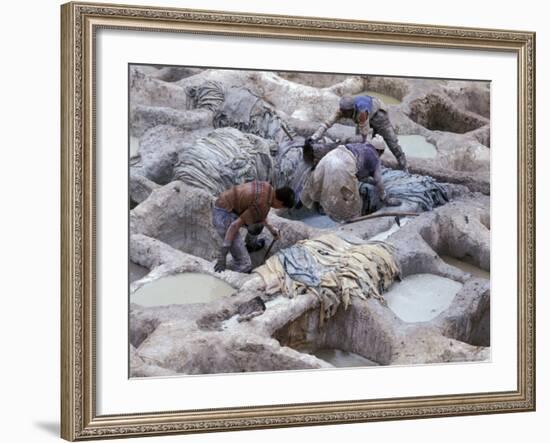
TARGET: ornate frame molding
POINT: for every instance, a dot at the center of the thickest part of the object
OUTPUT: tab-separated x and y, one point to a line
79	420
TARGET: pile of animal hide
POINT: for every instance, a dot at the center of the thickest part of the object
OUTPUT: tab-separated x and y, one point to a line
333	269
209	96
421	190
290	169
238	107
224	158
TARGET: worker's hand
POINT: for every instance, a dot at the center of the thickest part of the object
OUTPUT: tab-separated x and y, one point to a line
392	201
221	264
402	162
275	233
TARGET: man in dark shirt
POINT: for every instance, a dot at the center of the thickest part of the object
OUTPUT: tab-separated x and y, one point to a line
367	161
246	205
368	165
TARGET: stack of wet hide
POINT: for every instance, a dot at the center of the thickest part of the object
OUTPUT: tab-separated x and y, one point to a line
238	107
224	158
422	192
333	269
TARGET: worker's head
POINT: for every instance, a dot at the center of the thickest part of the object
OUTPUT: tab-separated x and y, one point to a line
284	198
361	104
347	105
255	229
378	143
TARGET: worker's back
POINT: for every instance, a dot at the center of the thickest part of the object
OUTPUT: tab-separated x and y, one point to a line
367	159
251	201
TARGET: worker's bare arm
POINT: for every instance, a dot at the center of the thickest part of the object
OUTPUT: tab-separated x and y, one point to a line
274	231
363	124
232	232
326	125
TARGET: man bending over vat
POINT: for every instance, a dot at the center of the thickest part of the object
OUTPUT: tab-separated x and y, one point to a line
366	112
246	205
340	173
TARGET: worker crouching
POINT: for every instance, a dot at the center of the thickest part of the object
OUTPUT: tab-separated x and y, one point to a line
246	205
338	174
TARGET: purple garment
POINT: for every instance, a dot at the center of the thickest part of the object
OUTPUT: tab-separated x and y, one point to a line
367	159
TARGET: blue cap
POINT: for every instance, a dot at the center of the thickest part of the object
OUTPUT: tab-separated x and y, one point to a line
363	103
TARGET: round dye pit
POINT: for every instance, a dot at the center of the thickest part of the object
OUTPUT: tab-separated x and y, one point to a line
417	146
421	297
386	99
182	289
466	267
342	359
337	357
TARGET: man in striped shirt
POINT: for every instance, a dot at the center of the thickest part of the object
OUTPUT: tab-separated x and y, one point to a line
246	205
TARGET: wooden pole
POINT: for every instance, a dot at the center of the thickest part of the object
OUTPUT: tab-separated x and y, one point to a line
382	214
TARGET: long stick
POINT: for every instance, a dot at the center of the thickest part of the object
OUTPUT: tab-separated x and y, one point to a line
382	214
269	249
287	132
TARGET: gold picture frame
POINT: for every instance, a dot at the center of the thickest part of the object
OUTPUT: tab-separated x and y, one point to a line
80	21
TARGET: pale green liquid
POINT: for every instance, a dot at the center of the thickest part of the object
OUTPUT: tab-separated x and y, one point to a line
338	357
417	146
182	289
387	99
342	359
466	267
421	297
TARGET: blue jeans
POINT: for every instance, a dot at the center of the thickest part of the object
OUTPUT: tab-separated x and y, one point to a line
222	219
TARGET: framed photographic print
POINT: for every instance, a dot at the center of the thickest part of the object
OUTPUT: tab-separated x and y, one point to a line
282	221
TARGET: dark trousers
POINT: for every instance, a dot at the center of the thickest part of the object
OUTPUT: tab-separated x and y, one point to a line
380	124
